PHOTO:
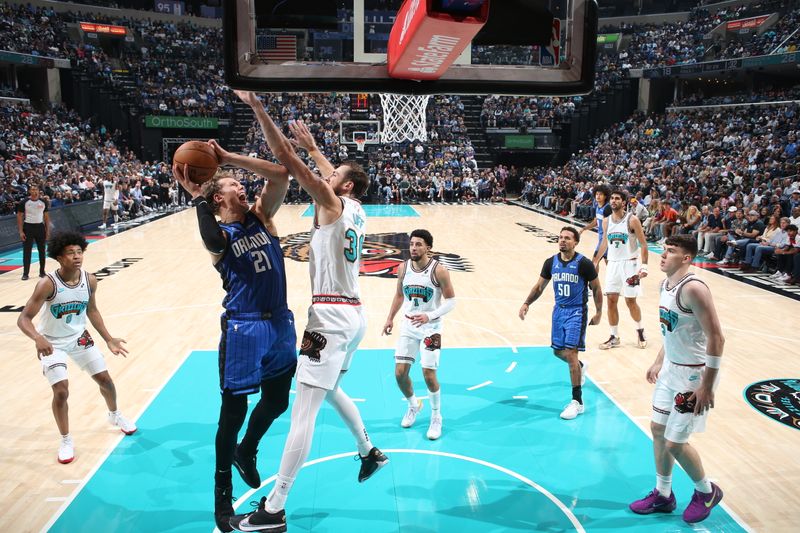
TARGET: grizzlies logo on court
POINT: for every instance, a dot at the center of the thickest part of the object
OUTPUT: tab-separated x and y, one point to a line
778	399
381	256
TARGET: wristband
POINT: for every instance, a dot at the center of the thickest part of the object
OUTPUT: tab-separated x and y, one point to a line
643	267
713	361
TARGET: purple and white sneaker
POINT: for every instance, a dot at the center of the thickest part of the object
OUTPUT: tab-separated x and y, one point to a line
654	503
700	506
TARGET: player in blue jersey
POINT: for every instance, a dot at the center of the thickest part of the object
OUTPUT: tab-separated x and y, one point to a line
602	210
570	273
257	349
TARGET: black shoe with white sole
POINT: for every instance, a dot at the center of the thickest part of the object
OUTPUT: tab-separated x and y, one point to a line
260	520
374	461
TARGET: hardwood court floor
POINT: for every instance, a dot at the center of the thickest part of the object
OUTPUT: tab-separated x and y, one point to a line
166	304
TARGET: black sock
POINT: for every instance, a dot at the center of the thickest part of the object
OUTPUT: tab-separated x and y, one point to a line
581	363
577	394
222	478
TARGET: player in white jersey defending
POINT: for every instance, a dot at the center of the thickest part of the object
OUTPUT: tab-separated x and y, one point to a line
685	372
110	195
624	240
425	293
66	299
336	319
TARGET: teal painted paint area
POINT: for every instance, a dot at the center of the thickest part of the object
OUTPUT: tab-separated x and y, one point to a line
378	210
475	478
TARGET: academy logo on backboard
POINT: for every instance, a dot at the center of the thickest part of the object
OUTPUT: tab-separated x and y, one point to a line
778	399
381	256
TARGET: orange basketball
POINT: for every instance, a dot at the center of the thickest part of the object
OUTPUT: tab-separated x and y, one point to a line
201	159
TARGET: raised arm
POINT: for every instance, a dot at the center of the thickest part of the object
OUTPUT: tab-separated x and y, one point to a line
319	189
214	239
274	191
305	140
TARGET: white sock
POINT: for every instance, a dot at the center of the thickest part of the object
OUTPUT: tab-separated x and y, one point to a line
615	331
114	412
436	402
413	402
664	485
66	437
352	419
277	498
639	325
704	485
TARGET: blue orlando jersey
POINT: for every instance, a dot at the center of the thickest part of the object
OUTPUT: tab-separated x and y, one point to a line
600	213
252	269
569	279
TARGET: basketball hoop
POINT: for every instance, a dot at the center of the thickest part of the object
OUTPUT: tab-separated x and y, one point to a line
404	117
360	143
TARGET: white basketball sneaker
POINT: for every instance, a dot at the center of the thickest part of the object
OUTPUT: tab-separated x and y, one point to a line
125	425
572	410
435	429
66	450
411	415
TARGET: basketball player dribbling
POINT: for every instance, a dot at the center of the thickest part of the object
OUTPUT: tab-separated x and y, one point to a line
66	298
570	272
425	293
336	319
686	373
257	348
624	240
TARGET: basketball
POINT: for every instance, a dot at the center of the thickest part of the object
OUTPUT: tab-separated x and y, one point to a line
201	159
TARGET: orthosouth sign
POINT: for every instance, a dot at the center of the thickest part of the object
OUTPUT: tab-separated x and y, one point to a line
197	123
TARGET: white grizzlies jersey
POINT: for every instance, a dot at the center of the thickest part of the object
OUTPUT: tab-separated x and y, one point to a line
335	254
421	294
684	340
622	242
63	317
108	191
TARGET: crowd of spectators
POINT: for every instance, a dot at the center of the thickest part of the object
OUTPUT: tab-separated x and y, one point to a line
68	157
738	163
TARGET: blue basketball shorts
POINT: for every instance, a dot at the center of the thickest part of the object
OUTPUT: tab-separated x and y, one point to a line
252	349
569	328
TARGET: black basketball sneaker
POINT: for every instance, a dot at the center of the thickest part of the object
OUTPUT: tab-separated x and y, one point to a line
260	520
374	461
223	506
246	465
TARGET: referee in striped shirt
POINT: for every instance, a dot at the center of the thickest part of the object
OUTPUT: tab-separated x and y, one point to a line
33	222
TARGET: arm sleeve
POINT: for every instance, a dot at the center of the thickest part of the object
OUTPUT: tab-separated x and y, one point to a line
547	268
212	235
586	269
21	207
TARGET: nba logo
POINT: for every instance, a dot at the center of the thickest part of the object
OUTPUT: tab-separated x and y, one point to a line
551	55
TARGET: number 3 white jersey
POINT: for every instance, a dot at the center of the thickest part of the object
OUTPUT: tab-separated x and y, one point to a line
622	242
63	317
421	294
335	254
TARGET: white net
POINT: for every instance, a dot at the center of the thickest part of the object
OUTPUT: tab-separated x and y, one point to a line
404	117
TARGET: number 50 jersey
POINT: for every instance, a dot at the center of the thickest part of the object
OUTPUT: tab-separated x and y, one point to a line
252	269
335	253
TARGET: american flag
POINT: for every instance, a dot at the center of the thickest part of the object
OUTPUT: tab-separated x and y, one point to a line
277	47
